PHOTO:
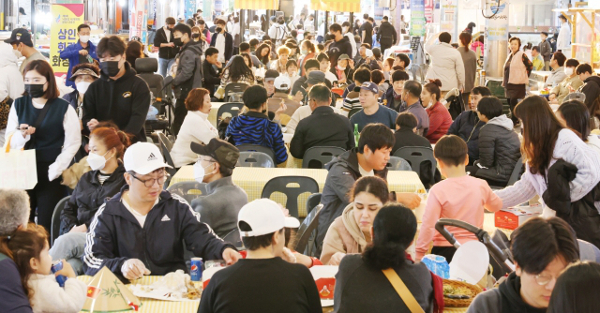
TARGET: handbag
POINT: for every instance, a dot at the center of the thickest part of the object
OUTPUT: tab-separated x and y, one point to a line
4	111
220	93
403	291
17	168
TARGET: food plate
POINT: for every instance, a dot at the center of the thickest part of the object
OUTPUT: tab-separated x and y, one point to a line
175	286
145	291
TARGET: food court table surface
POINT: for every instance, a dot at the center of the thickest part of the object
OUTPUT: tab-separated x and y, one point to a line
151	305
253	179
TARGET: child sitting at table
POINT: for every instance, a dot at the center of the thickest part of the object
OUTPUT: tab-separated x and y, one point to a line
29	249
459	196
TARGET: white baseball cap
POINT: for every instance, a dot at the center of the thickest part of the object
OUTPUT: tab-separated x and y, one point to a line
143	158
282	83
264	216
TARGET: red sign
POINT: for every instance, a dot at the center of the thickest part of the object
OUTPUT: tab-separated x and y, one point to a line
429	11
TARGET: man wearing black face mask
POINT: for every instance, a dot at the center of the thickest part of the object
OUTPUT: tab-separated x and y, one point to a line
166	48
189	71
223	41
119	95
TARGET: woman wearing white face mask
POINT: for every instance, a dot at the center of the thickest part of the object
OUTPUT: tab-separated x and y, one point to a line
107	146
83	75
439	117
572	82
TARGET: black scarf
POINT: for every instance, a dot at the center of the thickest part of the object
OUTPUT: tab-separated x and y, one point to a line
511	297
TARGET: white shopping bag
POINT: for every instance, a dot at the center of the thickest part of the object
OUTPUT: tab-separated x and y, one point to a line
18	169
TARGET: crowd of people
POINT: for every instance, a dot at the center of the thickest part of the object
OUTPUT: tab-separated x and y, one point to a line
91	144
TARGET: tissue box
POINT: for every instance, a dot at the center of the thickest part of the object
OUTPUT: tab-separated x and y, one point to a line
514	217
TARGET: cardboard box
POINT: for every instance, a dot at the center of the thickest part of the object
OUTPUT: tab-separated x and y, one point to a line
514	217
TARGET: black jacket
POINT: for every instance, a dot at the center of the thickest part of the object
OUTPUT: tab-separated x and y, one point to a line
338	48
386	35
211	77
125	102
88	196
115	236
467	126
343	172
228	44
389	99
323	127
582	215
300	85
591	89
189	70
499	149
164	52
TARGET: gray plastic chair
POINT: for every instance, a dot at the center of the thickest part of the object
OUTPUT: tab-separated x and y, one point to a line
287	186
306	234
398	164
256	148
55	224
575	96
188	190
234	88
233	237
232	108
317	157
165	140
255	159
415	156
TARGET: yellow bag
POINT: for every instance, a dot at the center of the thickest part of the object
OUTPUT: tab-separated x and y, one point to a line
220	93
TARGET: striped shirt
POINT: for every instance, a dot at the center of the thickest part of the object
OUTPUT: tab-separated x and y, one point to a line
256	128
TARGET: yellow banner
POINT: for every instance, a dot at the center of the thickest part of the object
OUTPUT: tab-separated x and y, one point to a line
256	4
65	19
336	5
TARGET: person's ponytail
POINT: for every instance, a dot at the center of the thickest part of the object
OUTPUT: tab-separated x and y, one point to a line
388	255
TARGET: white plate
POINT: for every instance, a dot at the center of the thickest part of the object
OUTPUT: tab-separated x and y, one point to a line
155	295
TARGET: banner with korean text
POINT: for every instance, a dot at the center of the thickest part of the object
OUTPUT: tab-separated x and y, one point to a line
63	30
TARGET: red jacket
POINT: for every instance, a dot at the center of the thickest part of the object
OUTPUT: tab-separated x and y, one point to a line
439	122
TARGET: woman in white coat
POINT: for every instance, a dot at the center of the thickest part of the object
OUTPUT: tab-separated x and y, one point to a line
195	127
11	84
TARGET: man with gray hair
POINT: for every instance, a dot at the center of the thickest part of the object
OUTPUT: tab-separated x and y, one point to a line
14	214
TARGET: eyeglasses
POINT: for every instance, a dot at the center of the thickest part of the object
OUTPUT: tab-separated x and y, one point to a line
151	181
543	279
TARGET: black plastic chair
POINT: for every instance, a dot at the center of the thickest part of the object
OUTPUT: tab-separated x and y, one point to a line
165	140
165	148
352	112
189	190
232	88
398	164
306	234
55	225
256	148
233	237
232	108
317	157
415	156
255	159
312	202
287	186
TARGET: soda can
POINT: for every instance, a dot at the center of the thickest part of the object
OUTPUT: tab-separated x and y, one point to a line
60	279
196	269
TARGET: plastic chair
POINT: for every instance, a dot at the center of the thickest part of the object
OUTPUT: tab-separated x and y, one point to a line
189	190
307	232
286	185
317	157
234	88
312	202
256	148
232	108
398	164
55	225
415	156
146	69
255	159
353	111
575	96
234	238
163	139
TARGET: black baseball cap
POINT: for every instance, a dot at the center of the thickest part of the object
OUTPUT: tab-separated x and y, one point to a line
222	151
20	35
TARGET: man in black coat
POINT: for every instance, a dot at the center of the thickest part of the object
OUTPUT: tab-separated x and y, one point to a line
119	95
387	35
323	127
590	88
189	71
209	70
167	51
341	45
223	41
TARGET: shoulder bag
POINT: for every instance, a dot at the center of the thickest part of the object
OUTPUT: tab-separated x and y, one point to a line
403	291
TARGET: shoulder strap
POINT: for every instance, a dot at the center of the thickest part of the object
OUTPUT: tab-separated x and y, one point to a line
403	291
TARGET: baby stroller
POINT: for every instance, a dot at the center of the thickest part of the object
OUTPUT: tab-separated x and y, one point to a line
501	258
